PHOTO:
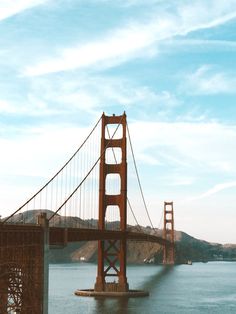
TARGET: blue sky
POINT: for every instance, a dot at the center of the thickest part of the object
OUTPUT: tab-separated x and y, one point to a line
169	64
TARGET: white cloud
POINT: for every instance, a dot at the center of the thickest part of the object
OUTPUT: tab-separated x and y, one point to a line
32	107
94	94
197	45
214	190
12	7
191	156
181	181
192	147
130	41
28	161
137	2
44	147
206	14
6	107
218	188
125	93
205	80
119	44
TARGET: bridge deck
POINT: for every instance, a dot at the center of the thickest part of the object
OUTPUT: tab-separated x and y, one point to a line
61	236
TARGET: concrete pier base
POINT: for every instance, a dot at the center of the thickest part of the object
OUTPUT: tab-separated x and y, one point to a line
112	294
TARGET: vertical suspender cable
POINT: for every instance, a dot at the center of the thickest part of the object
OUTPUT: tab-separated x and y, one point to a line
40	190
86	176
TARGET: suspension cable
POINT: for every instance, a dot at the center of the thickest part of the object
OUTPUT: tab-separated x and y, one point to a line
161	220
139	182
133	214
40	190
128	201
76	189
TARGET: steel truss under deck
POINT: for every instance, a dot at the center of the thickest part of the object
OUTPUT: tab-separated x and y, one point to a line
21	269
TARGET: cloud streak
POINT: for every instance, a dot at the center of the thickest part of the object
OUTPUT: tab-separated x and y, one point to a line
216	189
7	8
32	107
187	147
205	80
135	39
120	44
198	45
90	95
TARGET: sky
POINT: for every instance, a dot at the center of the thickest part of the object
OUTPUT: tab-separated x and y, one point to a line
169	64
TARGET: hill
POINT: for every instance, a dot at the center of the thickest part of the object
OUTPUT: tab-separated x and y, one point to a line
186	246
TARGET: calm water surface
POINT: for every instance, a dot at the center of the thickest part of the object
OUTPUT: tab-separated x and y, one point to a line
200	288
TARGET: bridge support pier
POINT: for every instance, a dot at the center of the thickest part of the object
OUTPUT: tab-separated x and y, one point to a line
168	234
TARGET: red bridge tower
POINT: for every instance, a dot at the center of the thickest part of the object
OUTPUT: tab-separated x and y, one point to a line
168	234
112	253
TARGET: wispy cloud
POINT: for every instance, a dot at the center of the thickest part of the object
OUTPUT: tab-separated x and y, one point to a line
127	42
198	45
182	147
191	147
207	80
28	160
206	14
214	190
32	107
93	94
139	2
120	44
8	8
59	143
6	107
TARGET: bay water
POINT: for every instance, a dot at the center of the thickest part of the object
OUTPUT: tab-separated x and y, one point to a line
197	288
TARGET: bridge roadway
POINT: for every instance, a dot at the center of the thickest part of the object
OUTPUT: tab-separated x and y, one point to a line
59	235
63	235
24	262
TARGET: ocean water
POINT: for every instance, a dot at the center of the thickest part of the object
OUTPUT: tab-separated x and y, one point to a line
199	288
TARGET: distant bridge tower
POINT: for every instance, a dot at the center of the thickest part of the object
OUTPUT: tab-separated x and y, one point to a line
168	234
112	253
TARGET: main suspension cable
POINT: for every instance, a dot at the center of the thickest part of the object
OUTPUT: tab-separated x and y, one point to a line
161	220
76	189
139	182
40	190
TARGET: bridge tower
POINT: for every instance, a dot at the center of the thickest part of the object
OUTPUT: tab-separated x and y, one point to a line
168	234
112	253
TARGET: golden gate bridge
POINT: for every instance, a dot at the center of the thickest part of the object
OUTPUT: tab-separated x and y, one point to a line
86	200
